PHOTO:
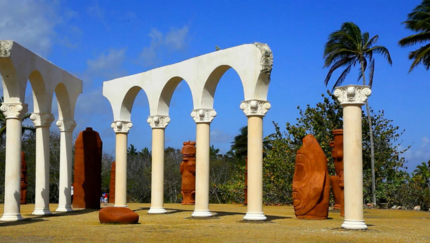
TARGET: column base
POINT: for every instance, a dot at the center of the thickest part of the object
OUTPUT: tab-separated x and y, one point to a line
8	217
354	224
42	212
64	209
204	213
255	216
157	210
120	206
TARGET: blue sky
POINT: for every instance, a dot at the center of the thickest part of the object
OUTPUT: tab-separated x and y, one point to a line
102	40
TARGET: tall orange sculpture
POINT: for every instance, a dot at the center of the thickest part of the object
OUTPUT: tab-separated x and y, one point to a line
188	171
337	180
24	180
112	184
88	166
311	188
246	182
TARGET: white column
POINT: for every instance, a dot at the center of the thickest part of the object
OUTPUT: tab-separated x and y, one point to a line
121	129
42	122
352	97
158	125
203	119
255	110
66	146
13	113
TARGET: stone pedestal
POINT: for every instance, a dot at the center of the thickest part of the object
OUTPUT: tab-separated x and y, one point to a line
352	97
255	110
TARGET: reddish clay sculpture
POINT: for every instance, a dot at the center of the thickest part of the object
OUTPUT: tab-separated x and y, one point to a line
188	171
119	215
87	179
24	180
246	182
112	184
311	188
337	180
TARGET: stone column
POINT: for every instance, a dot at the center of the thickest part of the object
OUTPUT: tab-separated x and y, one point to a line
255	110
121	129
352	97
13	113
66	146
203	119
42	122
158	124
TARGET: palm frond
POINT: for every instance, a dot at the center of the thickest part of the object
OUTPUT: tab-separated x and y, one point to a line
383	51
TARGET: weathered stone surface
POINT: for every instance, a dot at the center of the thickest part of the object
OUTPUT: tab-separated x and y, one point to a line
337	180
311	188
118	215
188	171
24	180
87	177
112	184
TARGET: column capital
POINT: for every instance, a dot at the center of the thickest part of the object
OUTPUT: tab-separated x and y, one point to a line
352	94
66	126
121	126
255	107
42	119
158	121
14	110
203	115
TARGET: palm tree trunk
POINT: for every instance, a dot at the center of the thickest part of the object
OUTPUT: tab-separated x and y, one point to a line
372	152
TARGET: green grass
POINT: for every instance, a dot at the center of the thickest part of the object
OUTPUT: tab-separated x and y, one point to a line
226	226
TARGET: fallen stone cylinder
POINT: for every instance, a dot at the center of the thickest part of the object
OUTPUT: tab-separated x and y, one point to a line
118	215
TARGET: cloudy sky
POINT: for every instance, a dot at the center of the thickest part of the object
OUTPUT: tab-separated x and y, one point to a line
102	40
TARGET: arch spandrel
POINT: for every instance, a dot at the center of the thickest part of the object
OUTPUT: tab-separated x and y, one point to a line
128	102
167	94
41	100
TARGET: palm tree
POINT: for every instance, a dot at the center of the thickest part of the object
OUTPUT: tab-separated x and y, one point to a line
419	21
348	47
423	172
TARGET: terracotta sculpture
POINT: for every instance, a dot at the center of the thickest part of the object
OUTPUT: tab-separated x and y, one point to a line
337	180
112	184
188	171
246	182
119	215
311	188
87	178
24	180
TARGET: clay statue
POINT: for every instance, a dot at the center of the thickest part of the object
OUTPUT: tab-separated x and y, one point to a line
311	188
246	182
112	184
337	180
24	180
88	166
188	171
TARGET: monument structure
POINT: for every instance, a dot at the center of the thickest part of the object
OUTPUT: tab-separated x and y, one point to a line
336	181
252	62
188	172
24	179
18	66
311	185
88	167
351	98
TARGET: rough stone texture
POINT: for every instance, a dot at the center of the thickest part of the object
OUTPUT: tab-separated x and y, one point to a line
87	178
119	215
112	184
188	171
337	180
24	180
311	188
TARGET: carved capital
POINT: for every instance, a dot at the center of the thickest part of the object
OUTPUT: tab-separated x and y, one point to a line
203	115
158	121
352	94
14	110
66	126
121	126
255	107
42	119
266	61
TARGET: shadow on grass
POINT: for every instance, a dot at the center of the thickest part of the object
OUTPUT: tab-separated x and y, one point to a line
269	220
21	222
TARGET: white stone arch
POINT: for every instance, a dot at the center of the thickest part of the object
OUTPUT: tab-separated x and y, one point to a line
17	66
253	64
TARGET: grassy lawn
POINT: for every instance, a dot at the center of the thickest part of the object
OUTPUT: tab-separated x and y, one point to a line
226	226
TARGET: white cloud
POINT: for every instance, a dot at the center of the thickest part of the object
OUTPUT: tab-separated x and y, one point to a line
172	41
107	65
96	12
30	23
219	136
417	154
